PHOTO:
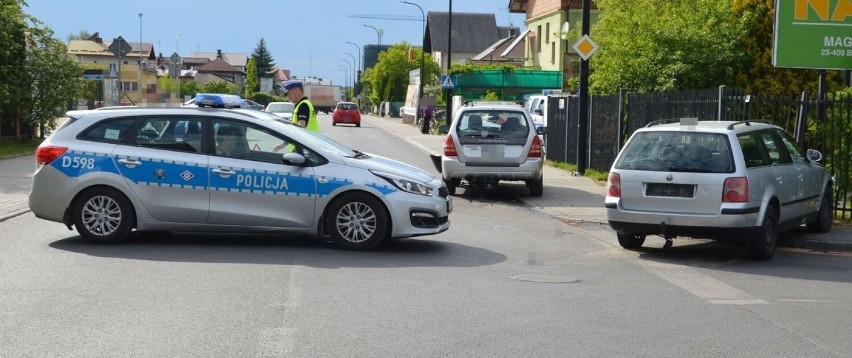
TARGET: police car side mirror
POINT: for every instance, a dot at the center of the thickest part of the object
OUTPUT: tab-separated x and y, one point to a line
293	159
541	130
538	111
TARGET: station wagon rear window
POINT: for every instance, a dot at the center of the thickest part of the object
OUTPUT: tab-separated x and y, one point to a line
677	152
110	131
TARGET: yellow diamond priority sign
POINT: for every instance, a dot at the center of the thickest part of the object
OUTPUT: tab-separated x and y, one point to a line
585	47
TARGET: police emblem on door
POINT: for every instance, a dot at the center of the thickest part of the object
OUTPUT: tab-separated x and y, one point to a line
159	173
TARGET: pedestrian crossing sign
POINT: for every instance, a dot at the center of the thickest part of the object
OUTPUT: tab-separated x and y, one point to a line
447	82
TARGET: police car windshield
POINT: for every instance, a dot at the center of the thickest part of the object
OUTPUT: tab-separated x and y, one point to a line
320	142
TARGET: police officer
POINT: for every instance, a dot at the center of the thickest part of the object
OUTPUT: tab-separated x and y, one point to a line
304	114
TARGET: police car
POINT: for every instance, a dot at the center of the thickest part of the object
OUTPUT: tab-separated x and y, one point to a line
108	172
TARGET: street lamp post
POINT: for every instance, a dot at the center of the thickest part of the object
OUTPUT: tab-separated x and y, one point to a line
422	53
357	74
378	34
351	65
353	72
345	73
139	81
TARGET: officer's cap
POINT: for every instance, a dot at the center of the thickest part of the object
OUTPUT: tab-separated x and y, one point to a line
288	85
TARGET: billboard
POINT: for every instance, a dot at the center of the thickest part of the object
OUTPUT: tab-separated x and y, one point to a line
815	34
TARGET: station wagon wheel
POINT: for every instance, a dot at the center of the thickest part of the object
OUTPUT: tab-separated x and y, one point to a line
762	246
357	221
630	241
825	215
103	216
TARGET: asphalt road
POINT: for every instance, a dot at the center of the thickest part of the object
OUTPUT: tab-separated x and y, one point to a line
505	281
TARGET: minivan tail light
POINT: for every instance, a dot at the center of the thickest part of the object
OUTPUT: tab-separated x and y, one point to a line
450	147
47	154
613	185
735	190
535	148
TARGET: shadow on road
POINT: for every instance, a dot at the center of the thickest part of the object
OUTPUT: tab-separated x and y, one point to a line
791	260
282	250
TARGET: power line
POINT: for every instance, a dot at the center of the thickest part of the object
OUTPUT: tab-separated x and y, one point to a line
387	17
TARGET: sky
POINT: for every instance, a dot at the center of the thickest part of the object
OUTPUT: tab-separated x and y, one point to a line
307	37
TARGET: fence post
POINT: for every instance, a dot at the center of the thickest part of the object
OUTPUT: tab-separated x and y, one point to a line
801	119
621	114
723	105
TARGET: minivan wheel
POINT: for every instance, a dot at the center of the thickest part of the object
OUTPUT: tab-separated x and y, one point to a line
103	216
825	215
357	221
630	241
762	246
452	184
536	187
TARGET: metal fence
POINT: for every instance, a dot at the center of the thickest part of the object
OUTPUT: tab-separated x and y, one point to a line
823	124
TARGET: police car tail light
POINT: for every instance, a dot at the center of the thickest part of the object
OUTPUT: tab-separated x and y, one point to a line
613	185
47	154
535	148
735	190
450	147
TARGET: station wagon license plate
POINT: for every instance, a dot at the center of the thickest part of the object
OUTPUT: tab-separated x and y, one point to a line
670	190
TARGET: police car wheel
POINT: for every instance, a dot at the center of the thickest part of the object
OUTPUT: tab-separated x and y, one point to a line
103	216
357	221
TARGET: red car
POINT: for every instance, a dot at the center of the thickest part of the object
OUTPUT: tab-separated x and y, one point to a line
346	112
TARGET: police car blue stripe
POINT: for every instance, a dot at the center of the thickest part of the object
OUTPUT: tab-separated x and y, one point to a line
196	176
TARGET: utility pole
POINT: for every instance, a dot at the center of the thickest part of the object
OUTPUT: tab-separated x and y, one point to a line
448	96
582	123
422	53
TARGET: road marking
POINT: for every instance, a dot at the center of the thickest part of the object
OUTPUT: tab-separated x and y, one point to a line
701	285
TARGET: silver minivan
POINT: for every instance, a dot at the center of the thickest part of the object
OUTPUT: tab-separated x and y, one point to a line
490	142
737	181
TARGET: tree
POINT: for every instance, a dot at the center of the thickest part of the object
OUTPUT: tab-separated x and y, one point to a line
82	35
251	78
757	75
388	79
262	58
219	87
650	45
37	77
54	78
189	88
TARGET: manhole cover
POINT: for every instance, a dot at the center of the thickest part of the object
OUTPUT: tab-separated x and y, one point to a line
544	278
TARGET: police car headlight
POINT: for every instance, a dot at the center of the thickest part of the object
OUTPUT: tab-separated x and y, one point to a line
406	185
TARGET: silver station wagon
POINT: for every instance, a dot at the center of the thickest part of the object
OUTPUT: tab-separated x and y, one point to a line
107	172
738	181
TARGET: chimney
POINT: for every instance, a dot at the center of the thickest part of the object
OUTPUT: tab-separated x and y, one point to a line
219	54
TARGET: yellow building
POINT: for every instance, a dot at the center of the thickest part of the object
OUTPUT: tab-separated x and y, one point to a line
137	72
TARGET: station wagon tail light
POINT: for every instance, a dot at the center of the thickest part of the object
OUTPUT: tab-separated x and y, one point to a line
450	147
47	154
735	190
535	148
613	185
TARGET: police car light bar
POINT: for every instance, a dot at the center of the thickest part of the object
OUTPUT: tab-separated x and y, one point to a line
218	100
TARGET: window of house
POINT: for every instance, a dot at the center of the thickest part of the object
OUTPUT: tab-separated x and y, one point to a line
539	36
547	33
129	86
553	52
